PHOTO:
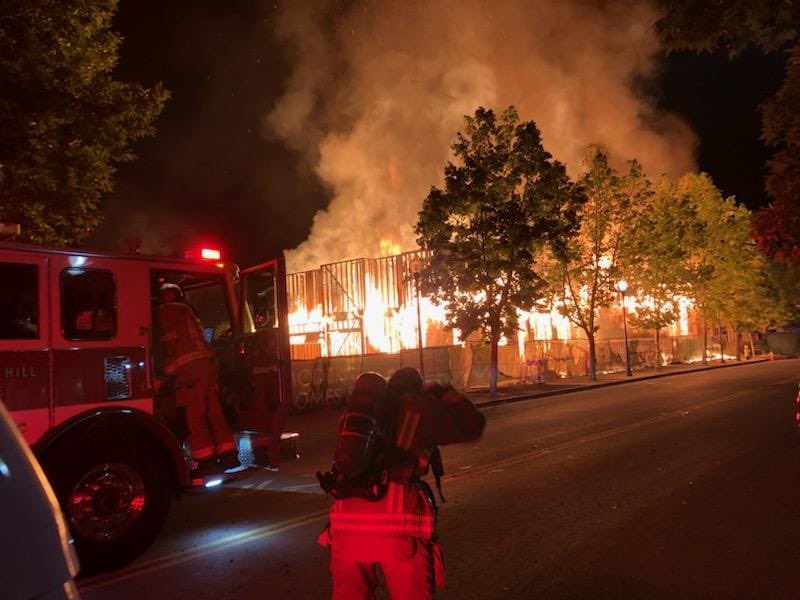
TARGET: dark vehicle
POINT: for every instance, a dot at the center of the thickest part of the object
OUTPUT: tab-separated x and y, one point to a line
41	562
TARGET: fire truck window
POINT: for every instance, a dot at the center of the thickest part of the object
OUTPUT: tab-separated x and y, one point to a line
19	302
261	299
205	293
210	305
88	307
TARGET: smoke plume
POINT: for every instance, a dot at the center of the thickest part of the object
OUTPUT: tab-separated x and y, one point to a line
379	90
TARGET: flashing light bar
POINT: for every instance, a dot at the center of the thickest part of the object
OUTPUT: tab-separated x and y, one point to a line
203	253
210	254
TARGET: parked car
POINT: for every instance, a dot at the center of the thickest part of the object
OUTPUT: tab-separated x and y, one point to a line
37	559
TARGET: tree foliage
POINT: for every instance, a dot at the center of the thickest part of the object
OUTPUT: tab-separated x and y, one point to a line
583	276
503	199
718	248
716	234
65	122
778	302
700	25
777	227
654	259
703	25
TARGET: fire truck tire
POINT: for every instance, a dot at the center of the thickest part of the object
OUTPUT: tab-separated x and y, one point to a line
114	493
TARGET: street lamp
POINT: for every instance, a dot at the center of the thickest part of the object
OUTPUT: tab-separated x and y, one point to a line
416	266
622	287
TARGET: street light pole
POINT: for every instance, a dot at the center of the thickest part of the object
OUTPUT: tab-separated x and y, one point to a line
419	328
622	286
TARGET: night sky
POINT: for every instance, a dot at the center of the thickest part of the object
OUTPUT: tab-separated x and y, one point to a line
213	174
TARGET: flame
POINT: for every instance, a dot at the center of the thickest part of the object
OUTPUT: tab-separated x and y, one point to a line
391	329
681	326
388	321
683	304
393	173
389	248
376	318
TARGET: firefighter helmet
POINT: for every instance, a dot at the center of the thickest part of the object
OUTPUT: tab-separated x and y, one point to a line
405	381
169	292
370	383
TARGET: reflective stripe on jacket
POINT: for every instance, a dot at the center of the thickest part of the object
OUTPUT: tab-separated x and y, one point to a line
421	423
405	510
181	336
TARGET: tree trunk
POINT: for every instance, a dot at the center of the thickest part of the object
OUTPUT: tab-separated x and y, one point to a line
658	348
738	343
721	345
705	342
495	340
591	367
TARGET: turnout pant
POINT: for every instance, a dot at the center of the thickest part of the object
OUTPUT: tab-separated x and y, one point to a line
406	563
196	391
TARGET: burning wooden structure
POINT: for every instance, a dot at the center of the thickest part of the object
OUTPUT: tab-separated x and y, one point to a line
371	305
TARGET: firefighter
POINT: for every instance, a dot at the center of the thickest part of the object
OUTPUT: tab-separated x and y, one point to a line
189	362
396	530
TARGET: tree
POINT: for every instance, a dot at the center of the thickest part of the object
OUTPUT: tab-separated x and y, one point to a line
504	199
756	296
717	241
703	25
65	122
583	275
781	290
776	230
734	25
777	227
653	260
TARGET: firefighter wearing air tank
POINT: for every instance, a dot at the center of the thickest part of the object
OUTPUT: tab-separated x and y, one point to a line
189	362
384	512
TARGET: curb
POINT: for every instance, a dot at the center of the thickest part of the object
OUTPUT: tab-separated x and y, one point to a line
604	384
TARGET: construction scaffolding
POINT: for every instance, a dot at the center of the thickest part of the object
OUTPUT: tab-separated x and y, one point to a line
352	307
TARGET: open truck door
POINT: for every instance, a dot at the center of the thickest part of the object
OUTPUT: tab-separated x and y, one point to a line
79	354
264	347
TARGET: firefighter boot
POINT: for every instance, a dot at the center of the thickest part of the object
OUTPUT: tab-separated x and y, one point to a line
229	461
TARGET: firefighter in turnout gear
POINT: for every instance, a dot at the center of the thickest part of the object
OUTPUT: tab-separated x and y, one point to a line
390	521
189	362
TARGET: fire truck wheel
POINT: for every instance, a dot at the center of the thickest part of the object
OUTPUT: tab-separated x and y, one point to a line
114	494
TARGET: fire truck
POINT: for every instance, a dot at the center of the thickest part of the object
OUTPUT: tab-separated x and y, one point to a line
78	374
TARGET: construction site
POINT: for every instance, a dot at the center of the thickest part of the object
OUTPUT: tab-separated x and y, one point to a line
368	314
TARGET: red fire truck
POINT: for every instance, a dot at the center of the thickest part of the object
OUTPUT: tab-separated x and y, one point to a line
77	374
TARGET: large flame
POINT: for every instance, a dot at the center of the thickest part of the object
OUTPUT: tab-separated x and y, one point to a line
389	315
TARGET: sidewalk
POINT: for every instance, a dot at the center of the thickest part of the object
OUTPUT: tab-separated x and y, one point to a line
524	391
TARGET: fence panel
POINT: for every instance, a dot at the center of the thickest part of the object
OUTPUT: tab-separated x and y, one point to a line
326	381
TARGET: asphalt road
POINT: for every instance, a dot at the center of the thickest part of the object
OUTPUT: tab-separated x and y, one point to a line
681	487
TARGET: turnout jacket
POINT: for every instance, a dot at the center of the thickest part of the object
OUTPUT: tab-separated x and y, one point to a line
181	336
421	422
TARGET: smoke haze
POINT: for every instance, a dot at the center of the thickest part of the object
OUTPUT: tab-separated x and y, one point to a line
379	89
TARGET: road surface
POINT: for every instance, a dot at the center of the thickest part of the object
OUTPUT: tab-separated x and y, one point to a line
680	487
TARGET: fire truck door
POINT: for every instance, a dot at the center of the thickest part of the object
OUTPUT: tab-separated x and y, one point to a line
265	350
25	343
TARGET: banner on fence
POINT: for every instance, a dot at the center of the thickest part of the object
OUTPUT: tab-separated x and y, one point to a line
326	381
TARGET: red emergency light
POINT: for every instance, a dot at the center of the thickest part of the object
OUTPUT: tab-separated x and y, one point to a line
204	253
210	254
